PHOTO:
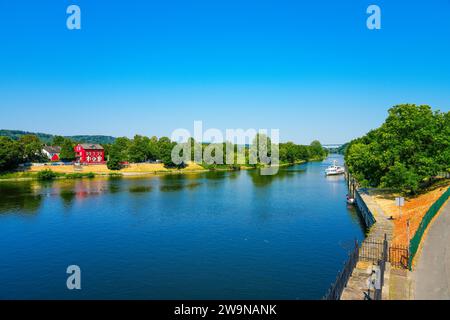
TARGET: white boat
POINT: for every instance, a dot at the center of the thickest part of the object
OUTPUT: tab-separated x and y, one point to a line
334	169
350	200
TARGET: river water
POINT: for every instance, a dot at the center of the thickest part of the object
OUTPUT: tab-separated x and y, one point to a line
213	235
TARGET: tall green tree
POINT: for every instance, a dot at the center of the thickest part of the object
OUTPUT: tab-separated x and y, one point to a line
406	153
316	149
120	149
67	150
138	150
31	148
10	154
152	149
165	147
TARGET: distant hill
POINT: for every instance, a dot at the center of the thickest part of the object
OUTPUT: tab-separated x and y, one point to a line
47	138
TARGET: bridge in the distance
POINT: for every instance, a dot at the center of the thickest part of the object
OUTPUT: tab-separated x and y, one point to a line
332	145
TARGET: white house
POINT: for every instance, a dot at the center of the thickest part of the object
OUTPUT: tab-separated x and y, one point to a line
52	152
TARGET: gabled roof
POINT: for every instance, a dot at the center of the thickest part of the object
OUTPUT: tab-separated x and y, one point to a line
91	146
52	149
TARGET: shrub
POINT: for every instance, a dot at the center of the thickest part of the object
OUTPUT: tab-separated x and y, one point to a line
114	164
79	175
46	174
90	175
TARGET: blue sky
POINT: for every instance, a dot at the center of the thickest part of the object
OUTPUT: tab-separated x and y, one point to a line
309	68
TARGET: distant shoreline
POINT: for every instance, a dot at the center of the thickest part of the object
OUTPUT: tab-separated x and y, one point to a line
68	172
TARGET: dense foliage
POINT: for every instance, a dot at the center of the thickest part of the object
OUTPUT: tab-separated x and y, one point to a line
409	149
46	174
140	149
28	148
67	150
10	154
14	152
292	153
340	150
48	138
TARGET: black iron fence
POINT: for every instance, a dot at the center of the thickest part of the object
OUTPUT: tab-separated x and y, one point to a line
336	289
379	280
377	251
372	250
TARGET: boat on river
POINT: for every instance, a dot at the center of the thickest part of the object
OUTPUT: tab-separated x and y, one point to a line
334	169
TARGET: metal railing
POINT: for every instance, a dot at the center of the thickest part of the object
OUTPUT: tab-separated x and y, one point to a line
377	251
382	265
373	251
336	289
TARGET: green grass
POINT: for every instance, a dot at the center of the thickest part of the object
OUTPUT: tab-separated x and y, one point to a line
79	175
47	174
17	175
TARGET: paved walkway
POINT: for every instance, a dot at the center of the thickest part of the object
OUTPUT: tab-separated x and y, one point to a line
432	274
358	283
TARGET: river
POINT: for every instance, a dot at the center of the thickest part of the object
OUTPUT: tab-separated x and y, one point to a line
209	235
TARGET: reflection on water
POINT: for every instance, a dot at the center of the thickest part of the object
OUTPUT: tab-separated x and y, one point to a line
263	178
67	196
139	189
170	188
215	235
19	197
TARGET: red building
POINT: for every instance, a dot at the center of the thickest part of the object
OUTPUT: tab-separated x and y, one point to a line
89	153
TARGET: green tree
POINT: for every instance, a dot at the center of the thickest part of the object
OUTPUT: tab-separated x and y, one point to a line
316	150
401	178
260	149
165	147
67	151
32	148
58	141
152	149
120	149
114	162
138	150
10	154
409	149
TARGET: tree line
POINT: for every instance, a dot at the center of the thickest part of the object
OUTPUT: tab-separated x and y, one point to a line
406	153
142	149
28	148
48	138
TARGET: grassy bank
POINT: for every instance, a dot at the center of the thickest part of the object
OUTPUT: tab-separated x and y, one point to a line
49	175
134	169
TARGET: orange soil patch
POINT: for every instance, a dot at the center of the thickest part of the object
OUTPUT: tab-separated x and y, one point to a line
413	211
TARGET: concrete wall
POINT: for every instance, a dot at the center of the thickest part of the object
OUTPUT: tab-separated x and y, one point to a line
364	211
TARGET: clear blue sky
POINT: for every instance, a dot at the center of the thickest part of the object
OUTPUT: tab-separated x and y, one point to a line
310	68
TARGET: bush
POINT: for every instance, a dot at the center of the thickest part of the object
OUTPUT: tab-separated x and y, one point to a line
46	174
90	175
80	175
114	164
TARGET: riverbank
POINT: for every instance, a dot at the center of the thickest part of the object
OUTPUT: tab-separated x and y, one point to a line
131	170
380	226
70	171
399	228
